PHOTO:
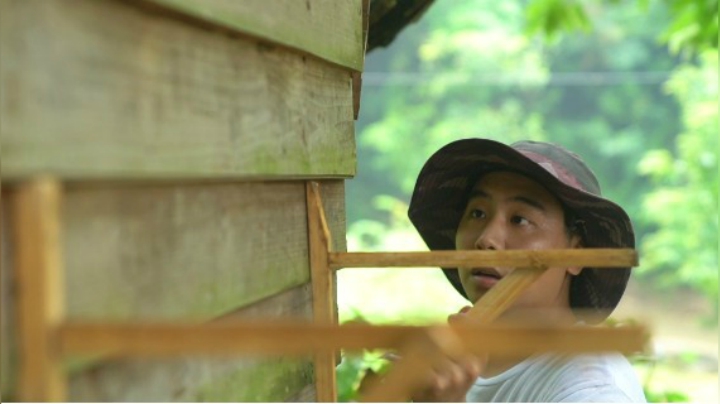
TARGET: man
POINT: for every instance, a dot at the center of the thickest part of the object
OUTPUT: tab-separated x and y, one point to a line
481	194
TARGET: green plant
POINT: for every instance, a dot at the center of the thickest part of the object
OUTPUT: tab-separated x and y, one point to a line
354	368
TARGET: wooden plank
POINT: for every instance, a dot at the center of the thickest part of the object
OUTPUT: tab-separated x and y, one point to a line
108	90
271	338
36	207
596	257
191	378
329	29
186	251
131	251
324	292
8	324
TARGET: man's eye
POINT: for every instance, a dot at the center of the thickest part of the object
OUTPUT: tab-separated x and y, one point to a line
477	214
519	220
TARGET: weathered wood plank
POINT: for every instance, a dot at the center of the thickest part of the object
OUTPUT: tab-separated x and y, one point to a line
105	89
186	251
329	29
202	379
8	324
178	251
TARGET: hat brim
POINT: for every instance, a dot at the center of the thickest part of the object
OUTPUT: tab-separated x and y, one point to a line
443	187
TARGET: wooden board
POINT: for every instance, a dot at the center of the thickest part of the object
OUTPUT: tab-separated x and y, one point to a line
198	379
8	325
184	251
329	29
106	89
190	250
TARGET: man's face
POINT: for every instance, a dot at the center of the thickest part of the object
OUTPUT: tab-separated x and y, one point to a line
508	211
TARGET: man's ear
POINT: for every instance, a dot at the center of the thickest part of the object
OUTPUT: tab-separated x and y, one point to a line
575	242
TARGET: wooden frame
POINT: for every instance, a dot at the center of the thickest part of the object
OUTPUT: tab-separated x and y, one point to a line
47	337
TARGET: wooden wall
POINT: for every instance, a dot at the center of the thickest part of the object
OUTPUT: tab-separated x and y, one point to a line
183	131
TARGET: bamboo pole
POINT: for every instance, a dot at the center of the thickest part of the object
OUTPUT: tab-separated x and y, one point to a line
295	338
38	265
485	311
587	257
494	302
323	287
503	294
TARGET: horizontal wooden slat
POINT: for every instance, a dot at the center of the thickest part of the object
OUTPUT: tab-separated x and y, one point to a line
165	339
606	258
108	90
202	379
188	250
328	29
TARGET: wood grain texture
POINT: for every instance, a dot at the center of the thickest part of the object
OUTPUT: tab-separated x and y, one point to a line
329	29
36	224
324	290
180	252
190	251
8	324
596	257
108	90
160	339
194	378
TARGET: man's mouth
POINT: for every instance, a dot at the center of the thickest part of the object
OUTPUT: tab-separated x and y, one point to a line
485	278
491	272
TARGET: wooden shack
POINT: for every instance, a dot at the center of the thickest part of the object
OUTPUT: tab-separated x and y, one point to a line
183	133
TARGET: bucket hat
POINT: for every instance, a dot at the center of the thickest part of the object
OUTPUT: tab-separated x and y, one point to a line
445	181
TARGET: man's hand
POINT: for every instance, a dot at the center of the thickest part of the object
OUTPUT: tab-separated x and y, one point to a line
452	378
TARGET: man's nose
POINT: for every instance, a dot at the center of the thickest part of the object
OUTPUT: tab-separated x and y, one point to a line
492	236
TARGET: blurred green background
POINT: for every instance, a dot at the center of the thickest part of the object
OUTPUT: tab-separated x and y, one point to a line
630	86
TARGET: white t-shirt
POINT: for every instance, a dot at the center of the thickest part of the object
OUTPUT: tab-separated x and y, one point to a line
548	378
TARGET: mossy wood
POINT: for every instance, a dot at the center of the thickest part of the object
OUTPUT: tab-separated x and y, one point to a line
187	251
324	289
180	252
112	90
201	378
328	29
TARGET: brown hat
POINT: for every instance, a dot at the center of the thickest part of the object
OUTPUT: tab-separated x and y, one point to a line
444	185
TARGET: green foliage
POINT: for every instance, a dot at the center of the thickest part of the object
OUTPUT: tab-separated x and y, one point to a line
354	367
553	17
468	69
665	396
412	297
683	207
693	28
